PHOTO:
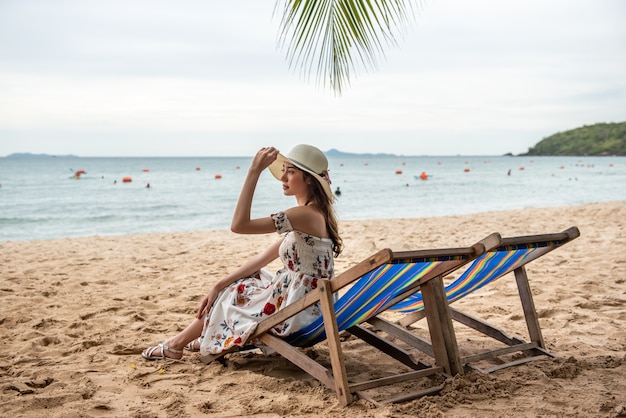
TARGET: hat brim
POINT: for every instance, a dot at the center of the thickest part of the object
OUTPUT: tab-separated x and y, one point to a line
276	168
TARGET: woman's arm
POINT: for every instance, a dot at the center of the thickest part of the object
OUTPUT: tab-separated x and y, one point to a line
241	222
247	269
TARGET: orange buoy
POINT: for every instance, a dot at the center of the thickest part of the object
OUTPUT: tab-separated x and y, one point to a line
78	174
521	167
424	176
466	169
145	170
398	171
218	176
197	168
127	179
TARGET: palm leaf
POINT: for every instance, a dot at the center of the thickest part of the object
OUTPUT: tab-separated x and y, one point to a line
335	37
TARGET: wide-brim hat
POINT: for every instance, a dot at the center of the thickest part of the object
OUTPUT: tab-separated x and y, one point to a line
307	158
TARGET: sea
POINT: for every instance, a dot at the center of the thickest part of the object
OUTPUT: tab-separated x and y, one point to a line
43	198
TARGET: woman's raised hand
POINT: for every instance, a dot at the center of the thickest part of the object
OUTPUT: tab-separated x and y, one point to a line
263	158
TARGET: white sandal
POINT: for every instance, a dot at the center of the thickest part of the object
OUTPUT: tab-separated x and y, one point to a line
148	353
192	345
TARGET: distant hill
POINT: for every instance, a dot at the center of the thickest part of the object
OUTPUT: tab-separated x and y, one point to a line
598	139
30	155
336	153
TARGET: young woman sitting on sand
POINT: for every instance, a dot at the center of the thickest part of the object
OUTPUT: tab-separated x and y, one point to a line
309	241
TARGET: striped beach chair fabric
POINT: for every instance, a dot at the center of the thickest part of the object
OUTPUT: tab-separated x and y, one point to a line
482	271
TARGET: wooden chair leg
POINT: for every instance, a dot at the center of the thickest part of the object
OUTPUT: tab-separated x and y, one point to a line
334	344
442	334
528	305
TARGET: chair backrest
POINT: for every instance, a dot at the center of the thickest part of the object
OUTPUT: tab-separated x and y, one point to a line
514	253
385	285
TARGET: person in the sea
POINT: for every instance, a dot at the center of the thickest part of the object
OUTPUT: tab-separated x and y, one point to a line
309	241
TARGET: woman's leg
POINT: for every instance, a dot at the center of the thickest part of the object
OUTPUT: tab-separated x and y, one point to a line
178	342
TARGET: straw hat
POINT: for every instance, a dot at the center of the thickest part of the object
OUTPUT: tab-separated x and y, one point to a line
307	158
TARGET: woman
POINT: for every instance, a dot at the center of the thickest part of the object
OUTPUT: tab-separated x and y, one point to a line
309	241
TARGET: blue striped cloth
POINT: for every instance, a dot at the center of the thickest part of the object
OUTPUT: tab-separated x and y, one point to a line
482	271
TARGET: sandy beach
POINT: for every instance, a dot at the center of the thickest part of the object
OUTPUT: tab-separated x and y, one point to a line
76	314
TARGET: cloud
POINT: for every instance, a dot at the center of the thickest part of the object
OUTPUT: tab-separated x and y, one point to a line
164	78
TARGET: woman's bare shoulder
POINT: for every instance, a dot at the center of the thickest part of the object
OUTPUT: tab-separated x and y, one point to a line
307	219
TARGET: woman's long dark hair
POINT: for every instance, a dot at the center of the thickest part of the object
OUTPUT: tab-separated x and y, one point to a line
323	201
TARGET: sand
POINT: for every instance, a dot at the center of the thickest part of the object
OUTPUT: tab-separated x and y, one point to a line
76	313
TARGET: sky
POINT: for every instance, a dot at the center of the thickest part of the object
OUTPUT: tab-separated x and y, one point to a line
208	78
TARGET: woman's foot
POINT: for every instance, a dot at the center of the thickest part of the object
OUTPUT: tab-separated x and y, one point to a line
162	352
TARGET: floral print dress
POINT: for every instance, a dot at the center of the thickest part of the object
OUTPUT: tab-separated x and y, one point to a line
241	306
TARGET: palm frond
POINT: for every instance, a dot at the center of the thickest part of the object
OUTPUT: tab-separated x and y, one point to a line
335	37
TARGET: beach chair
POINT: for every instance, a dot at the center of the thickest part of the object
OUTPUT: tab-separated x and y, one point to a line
364	291
511	256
